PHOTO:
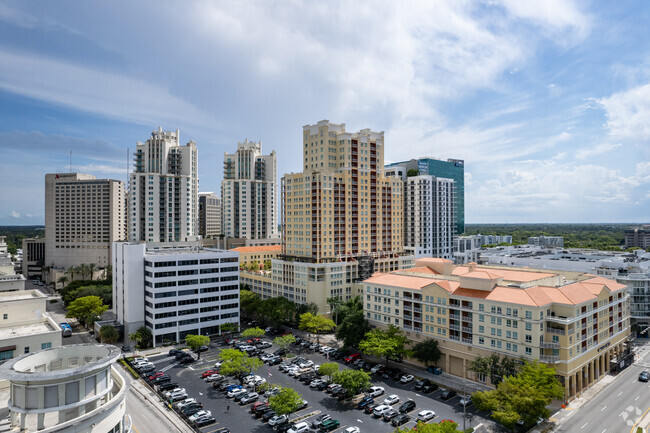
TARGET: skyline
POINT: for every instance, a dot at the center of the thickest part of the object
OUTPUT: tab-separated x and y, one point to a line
548	104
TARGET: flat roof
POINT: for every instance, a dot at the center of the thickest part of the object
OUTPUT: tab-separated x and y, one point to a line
259	249
21	295
26	330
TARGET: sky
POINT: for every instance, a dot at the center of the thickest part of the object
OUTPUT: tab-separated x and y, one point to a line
548	102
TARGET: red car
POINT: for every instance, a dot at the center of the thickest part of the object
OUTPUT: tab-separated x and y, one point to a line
155	375
352	358
209	373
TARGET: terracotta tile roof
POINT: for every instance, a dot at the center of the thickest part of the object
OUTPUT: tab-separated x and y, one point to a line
433	260
259	249
506	274
422	270
402	281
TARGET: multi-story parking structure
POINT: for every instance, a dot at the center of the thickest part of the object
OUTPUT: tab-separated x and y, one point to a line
174	289
578	323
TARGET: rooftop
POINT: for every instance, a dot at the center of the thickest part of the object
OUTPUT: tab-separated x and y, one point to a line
21	295
26	330
259	249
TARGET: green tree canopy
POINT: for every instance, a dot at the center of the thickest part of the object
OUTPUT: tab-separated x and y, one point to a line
427	352
238	364
384	343
335	304
87	309
412	172
445	427
250	303
329	369
353	328
228	328
70	293
108	334
277	311
354	381
301	309
196	341
315	324
494	367
286	402
522	397
255	332
142	337
284	341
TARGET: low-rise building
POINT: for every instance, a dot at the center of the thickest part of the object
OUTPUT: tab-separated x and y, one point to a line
25	327
546	241
68	389
638	237
578	323
174	289
255	258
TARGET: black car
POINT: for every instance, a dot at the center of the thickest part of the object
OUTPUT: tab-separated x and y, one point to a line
280	352
428	389
267	415
407	406
180	354
399	420
365	402
174	352
282	428
337	354
126	348
298	340
205	420
168	386
186	360
368	409
191	410
644	376
274	361
391	373
201	349
447	394
161	379
420	383
259	410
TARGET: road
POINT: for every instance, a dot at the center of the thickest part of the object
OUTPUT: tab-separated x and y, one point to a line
618	407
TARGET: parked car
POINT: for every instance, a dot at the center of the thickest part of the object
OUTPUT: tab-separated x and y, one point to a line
278	419
353	429
375	391
260	409
300	427
169	393
391	399
426	415
428	389
352	358
420	383
274	360
447	394
207	420
181	404
391	373
407	406
390	414
370	408
209	373
256	405
199	414
365	402
167	386
235	392
267	414
329	425
177	395
161	379
190	410
465	400
333	387
249	398
376	368
400	419
316	423
380	410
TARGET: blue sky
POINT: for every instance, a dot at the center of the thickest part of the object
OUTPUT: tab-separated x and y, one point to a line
547	102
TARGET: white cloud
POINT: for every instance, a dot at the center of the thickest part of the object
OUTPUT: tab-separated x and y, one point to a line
15	214
628	114
599	149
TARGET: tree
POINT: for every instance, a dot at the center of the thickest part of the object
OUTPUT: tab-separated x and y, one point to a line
284	341
286	402
329	369
412	172
267	265
301	309
353	328
83	271
142	337
71	270
71	293
91	270
237	364
277	311
315	324
335	303
354	381
108	334
427	352
250	303
384	343
87	309
108	272
62	280
444	427
255	332
493	367
196	342
229	328
522	397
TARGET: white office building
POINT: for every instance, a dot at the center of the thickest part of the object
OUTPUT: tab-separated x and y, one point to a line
163	190
174	289
209	215
83	216
249	193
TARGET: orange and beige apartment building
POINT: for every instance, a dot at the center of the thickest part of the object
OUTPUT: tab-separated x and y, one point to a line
577	323
342	219
257	254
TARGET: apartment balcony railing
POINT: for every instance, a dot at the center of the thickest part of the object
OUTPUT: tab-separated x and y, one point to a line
454	316
549	345
454	327
467	340
556	331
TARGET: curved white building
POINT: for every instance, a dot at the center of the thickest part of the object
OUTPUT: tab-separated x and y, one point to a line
67	389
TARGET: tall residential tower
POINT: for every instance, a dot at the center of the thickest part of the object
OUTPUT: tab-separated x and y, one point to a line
248	193
164	188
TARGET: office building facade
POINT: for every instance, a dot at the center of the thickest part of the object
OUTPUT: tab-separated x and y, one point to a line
83	216
209	214
163	190
577	323
249	193
638	237
451	169
174	289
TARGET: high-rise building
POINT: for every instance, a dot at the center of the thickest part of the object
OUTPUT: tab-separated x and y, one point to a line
429	214
450	169
209	214
174	289
33	257
163	190
342	219
83	216
249	193
638	237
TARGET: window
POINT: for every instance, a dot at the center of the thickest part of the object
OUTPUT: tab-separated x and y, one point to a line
46	345
481	340
529	339
529	351
529	314
26	349
529	327
5	316
5	355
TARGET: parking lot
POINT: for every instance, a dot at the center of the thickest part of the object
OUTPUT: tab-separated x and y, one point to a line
239	418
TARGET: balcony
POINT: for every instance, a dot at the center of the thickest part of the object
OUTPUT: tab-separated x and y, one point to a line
454	316
467	340
549	345
468	329
454	327
557	331
549	358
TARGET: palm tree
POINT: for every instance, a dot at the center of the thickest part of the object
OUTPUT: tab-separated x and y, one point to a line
334	303
83	270
91	270
71	271
108	272
62	280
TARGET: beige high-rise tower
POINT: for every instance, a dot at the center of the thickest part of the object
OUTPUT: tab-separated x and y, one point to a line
83	216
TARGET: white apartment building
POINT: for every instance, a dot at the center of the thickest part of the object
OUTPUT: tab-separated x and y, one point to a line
249	193
163	190
547	241
25	327
83	216
174	289
9	280
429	214
68	389
209	214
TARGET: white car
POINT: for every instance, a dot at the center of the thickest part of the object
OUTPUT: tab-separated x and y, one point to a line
213	377
307	364
235	392
352	429
169	393
300	427
316	382
407	378
139	359
278	419
465	400
380	410
272	392
426	415
248	398
375	391
200	414
178	395
252	378
218	364
182	404
375	368
391	399
313	346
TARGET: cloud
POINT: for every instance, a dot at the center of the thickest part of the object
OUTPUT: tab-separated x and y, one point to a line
599	149
628	114
15	214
